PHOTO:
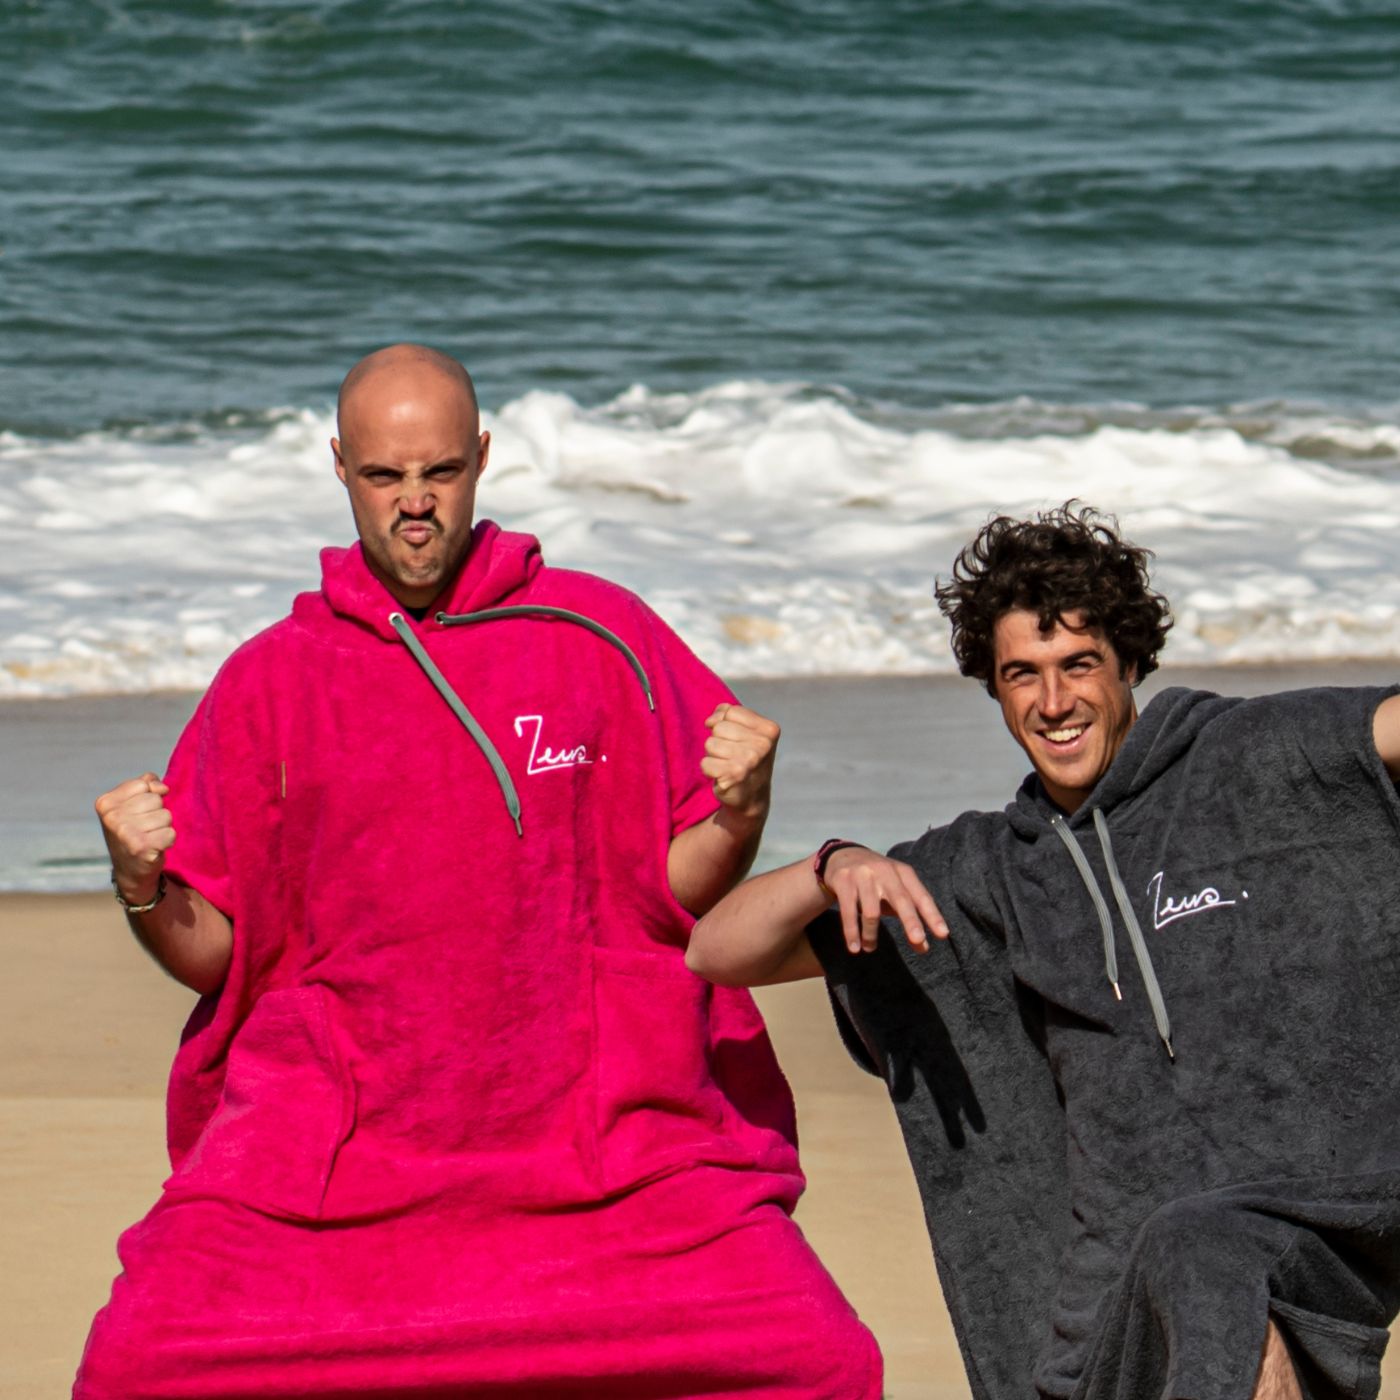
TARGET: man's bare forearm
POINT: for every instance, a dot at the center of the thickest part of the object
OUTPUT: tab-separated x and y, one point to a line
183	932
756	935
708	859
188	937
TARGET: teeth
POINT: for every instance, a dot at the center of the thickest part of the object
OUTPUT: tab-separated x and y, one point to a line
1063	736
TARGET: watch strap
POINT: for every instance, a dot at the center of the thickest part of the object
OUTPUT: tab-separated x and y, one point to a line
824	853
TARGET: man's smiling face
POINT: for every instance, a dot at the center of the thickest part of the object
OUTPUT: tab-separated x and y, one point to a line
1065	698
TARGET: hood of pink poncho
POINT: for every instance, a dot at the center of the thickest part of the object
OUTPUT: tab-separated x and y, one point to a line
499	564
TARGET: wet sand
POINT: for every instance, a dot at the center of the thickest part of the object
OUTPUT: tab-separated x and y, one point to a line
88	1024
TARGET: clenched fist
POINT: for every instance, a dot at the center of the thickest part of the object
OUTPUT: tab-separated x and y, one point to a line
139	831
739	757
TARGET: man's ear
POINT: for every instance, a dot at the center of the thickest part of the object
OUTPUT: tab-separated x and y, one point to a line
339	461
483	451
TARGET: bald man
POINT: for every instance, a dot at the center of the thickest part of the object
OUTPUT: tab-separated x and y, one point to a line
451	1116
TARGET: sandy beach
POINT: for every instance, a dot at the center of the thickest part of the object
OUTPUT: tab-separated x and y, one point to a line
88	1025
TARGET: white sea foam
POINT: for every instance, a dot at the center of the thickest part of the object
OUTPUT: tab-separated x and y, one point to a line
782	529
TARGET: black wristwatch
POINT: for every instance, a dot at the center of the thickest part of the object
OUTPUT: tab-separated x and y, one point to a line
824	854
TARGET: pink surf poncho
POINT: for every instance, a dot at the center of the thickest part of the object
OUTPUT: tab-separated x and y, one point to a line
460	1121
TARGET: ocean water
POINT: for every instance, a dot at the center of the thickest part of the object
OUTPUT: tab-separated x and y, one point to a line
770	304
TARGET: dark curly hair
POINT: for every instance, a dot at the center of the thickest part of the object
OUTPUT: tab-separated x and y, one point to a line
1070	559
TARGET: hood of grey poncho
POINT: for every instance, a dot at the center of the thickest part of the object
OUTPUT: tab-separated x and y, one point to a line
1153	745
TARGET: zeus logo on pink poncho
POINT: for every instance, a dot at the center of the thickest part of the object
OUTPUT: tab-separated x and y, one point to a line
549	761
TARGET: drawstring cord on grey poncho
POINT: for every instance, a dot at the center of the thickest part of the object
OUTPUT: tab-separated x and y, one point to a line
419	652
1125	908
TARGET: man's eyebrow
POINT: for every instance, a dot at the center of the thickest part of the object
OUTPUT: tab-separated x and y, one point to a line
401	471
1014	663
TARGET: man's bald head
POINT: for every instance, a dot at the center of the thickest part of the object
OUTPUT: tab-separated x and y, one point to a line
410	451
397	366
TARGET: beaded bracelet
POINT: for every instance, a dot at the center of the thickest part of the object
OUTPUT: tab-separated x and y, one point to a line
145	908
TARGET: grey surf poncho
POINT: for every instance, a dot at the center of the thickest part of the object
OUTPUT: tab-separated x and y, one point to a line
1121	1191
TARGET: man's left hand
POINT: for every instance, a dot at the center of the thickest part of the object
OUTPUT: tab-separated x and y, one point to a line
739	758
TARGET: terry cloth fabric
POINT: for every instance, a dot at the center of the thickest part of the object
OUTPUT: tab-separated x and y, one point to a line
460	1121
1108	1220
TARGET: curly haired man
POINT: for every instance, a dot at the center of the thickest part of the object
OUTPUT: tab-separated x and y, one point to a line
1147	1068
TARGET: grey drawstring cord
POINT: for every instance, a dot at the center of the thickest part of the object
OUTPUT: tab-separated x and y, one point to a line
1125	908
1081	861
1144	958
419	653
564	615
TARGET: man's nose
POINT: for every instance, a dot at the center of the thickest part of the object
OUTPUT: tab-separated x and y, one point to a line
417	501
1056	698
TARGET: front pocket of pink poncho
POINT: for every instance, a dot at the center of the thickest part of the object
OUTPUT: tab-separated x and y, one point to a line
287	1107
659	1107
